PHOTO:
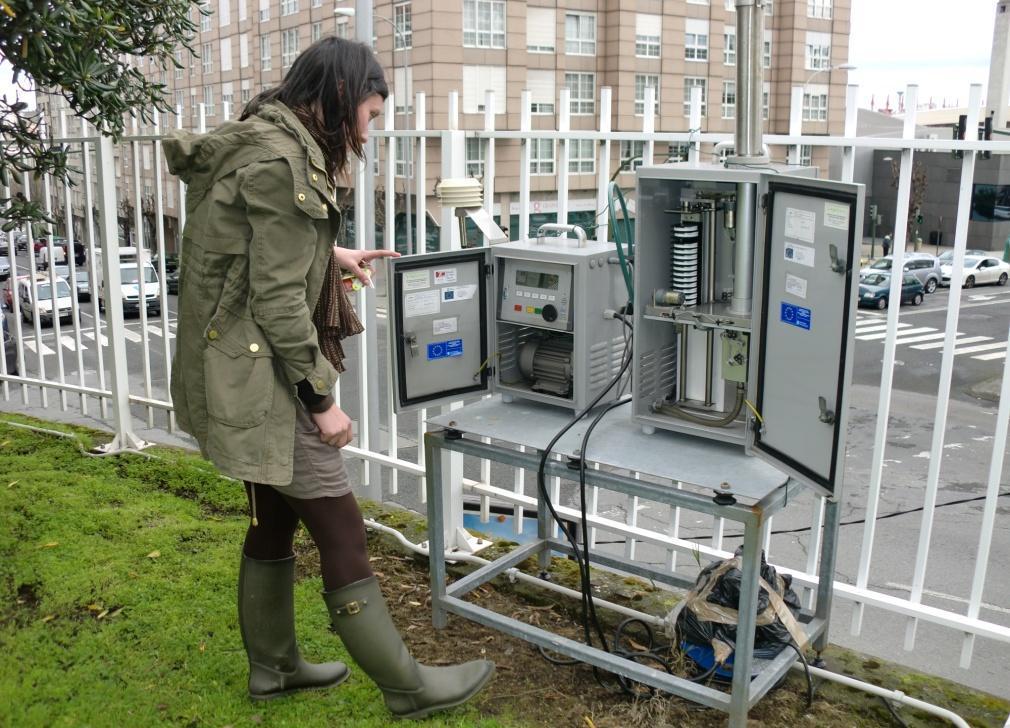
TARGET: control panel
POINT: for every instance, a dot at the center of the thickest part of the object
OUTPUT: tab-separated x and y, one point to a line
536	293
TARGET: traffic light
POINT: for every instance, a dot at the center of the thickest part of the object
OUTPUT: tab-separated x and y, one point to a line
873	211
918	216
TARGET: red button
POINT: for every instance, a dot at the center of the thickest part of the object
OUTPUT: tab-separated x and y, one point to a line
518	307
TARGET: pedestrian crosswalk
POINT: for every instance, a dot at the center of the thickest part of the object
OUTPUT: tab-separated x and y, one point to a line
132	332
925	338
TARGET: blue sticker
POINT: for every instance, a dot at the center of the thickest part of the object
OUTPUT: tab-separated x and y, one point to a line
795	316
445	349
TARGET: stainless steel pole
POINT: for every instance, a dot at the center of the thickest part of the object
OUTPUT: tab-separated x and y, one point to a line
749	82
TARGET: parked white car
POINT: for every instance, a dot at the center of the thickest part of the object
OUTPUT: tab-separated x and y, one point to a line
979	270
43	308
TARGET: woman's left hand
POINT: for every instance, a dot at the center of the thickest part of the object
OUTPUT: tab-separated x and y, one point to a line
357	261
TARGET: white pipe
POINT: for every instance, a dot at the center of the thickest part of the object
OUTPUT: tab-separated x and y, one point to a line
893	695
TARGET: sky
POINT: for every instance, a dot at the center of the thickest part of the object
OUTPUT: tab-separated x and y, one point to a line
941	46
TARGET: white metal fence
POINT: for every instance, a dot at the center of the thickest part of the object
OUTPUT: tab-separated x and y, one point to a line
96	373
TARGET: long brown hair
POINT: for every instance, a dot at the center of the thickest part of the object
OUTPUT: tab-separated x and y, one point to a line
332	77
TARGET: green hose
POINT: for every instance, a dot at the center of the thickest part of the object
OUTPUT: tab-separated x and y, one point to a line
622	237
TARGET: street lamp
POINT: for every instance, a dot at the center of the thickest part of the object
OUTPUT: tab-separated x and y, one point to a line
840	67
405	47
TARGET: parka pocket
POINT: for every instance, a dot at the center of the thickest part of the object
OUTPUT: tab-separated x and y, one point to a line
239	375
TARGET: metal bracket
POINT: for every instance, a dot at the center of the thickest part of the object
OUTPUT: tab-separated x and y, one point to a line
827	416
127	442
411	341
837	264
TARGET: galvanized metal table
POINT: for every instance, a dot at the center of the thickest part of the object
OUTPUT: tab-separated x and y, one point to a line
703	467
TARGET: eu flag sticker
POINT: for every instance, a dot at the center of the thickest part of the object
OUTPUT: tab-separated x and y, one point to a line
795	316
445	349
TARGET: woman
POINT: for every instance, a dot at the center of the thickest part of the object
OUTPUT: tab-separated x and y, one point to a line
261	314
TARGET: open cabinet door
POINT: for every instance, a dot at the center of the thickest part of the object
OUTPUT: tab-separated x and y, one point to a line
804	310
439	327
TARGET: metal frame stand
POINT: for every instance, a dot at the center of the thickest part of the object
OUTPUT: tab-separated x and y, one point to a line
746	692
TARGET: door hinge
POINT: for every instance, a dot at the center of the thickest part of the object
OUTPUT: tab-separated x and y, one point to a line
488	269
764	201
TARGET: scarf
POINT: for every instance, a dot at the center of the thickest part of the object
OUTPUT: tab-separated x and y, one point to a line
334	317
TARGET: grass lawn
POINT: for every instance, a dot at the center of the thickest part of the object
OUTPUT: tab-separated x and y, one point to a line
117	608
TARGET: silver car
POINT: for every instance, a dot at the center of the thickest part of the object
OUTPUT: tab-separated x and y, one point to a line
925	267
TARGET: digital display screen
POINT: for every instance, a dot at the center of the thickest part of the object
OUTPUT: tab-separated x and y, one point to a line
537	280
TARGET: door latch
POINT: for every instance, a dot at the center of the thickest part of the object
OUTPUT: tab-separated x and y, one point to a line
827	416
411	341
837	264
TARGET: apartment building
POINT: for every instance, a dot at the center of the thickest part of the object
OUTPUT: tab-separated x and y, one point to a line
470	46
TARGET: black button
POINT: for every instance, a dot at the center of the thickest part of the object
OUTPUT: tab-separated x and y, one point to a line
549	313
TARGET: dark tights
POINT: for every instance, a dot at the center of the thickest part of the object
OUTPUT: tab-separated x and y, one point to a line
334	523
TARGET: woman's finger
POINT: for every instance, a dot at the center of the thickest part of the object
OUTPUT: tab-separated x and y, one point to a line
371	254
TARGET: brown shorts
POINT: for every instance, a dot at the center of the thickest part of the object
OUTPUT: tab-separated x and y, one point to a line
318	468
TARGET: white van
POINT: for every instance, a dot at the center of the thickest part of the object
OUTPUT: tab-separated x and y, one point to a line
43	308
130	286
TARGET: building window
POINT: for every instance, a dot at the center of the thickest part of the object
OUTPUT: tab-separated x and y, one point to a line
403	19
729	46
642	82
317	31
208	100
766	50
648	30
582	156
225	54
697	2
541	156
207	58
180	102
289	7
583	92
819	9
818	51
403	89
580	34
696	40
227	97
289	46
476	153
403	169
484	23
180	69
815	103
477	81
541	87
678	152
806	155
243	50
265	61
245	93
343	28
729	99
689	83
264	10
204	19
317	3
766	95
223	12
540	30
632	154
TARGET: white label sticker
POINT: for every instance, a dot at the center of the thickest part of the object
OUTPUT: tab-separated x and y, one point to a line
458	293
796	285
836	215
445	275
424	303
444	326
415	280
800	254
800	224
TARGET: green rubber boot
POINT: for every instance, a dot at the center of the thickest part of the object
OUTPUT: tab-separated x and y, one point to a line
411	690
266	615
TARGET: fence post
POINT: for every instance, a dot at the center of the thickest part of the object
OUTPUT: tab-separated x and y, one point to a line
124	439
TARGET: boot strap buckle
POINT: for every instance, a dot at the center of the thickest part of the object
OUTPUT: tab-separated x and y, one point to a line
352	608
